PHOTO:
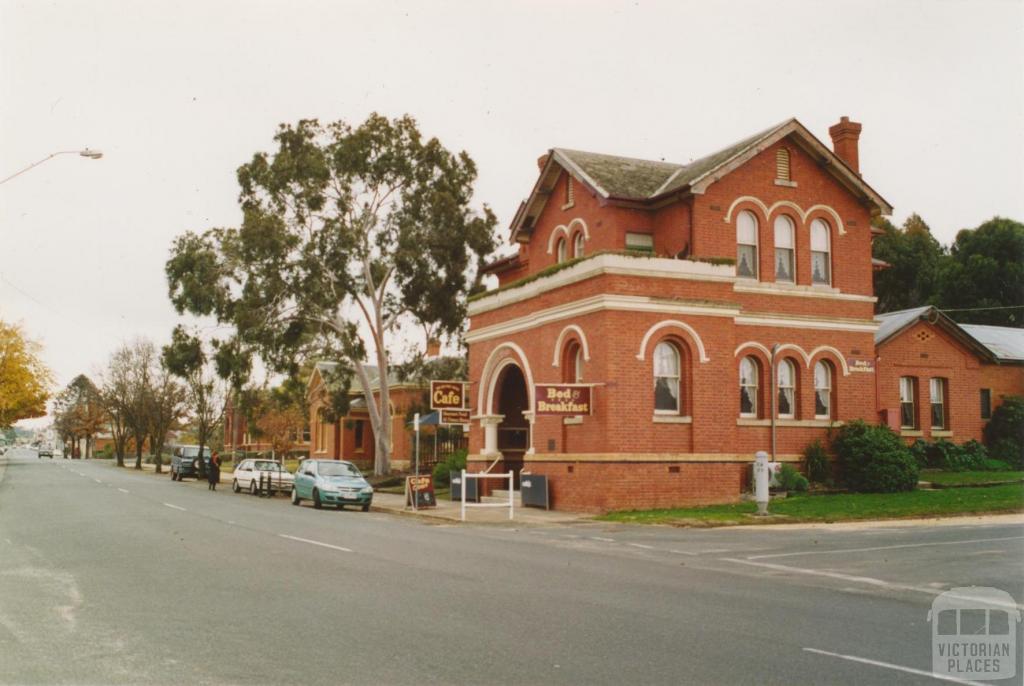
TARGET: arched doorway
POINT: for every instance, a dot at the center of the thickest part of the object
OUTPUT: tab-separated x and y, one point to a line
511	400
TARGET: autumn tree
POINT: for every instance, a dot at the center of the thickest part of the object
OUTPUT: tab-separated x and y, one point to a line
24	380
348	234
79	412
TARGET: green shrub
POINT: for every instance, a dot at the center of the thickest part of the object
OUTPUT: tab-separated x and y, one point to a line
104	453
819	469
1004	433
996	466
919	449
873	459
453	463
792	480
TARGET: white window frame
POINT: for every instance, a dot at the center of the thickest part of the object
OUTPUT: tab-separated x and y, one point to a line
756	369
937	396
822	226
784	222
673	380
578	244
791	388
578	364
829	376
561	252
740	219
908	396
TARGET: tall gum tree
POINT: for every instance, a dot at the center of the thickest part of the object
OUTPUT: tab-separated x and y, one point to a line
347	234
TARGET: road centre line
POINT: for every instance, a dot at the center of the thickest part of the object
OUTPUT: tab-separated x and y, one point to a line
324	545
889	665
175	507
97	481
123	490
603	538
878	583
641	545
884	547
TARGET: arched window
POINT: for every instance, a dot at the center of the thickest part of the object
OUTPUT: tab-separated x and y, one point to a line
666	379
785	246
577	244
749	373
746	245
787	389
573	363
782	164
560	250
823	375
821	258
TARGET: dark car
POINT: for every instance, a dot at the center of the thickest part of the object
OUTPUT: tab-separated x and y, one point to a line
185	462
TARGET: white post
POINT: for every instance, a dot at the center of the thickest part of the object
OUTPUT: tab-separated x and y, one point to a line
530	416
490	424
761	482
416	426
463	495
510	492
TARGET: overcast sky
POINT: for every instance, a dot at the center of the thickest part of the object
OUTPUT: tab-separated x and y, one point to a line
178	94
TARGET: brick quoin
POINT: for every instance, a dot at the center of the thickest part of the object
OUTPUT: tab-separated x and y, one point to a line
624	455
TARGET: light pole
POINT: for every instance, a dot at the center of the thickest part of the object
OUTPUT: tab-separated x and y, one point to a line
774	394
86	152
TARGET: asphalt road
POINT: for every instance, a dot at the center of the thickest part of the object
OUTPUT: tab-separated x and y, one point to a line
109	576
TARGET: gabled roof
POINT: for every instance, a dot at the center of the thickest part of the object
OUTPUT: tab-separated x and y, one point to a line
993	343
1005	343
631	180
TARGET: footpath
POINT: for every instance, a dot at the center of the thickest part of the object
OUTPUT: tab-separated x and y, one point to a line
445	510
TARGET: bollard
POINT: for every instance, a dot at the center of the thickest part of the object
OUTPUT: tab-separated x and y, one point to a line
761	482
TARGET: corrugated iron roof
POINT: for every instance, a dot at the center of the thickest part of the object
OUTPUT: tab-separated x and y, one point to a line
1006	343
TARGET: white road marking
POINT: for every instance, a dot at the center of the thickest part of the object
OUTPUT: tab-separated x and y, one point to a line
175	507
683	552
602	538
97	481
899	668
324	545
885	547
123	490
878	583
641	545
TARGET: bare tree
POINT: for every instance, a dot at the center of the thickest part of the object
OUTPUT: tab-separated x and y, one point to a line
140	360
166	409
115	394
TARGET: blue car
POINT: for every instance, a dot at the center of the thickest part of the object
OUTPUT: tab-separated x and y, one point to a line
331	482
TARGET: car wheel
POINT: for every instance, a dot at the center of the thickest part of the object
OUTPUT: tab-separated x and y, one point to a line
234	486
316	499
340	506
252	487
295	497
366	507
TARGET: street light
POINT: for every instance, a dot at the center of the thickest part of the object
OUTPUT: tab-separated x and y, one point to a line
85	152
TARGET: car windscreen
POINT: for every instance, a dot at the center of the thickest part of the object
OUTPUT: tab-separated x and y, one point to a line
194	452
338	469
268	466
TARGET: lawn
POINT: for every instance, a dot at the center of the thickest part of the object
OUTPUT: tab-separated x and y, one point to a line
944	478
842	507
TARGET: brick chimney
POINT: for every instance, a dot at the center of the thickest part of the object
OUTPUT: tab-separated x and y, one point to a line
541	161
845	135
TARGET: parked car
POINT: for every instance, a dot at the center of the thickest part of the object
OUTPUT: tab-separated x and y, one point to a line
46	451
185	461
248	472
331	482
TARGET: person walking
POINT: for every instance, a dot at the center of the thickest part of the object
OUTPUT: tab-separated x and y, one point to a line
213	473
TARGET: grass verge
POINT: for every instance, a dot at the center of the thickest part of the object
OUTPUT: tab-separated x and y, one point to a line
841	507
944	478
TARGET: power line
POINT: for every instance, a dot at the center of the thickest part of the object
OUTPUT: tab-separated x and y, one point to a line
981	309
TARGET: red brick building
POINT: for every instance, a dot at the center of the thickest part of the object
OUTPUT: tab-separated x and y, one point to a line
937	379
667	287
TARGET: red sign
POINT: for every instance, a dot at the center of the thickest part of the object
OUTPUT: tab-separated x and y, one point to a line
860	365
447	395
422	489
565	399
455	417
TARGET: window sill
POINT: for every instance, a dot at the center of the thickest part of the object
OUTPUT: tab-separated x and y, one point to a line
942	433
911	433
671	419
787	422
787	184
569	421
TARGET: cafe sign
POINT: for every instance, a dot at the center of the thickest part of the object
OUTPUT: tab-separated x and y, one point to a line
447	395
452	417
565	399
